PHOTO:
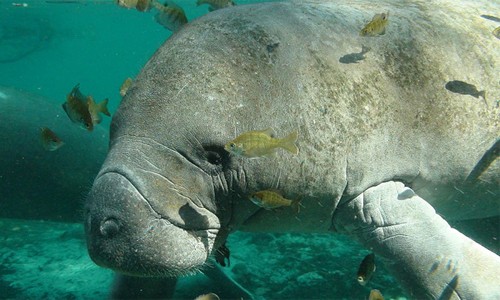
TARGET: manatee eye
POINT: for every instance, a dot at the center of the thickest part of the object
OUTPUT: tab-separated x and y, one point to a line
232	145
214	158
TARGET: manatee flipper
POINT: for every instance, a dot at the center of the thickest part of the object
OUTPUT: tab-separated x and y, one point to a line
231	289
429	258
128	287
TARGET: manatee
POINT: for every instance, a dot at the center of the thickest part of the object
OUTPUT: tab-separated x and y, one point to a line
387	155
35	183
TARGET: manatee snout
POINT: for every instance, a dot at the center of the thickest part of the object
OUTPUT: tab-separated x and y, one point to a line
128	231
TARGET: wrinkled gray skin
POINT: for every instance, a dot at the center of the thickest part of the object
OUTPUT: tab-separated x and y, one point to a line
375	139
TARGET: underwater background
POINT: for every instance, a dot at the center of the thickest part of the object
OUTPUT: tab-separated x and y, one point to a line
46	48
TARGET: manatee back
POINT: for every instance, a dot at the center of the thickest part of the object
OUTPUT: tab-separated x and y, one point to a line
386	117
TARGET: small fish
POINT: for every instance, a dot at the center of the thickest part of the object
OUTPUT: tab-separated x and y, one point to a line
125	86
366	269
140	5
464	88
216	4
352	58
170	15
209	296
126	3
496	32
77	109
96	108
50	141
143	5
375	295
83	110
260	142
268	199
376	26
492	18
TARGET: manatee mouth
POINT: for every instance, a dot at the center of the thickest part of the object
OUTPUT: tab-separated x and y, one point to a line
131	234
159	214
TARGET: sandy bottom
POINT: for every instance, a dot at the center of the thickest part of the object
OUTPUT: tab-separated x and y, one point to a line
46	260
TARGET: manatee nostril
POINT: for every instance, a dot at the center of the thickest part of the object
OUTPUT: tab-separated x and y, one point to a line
109	227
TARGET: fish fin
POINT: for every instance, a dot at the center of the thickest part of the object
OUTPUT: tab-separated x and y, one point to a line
268	131
365	49
296	204
90	102
157	5
377	17
288	143
271	154
93	110
103	107
75	92
483	94
172	4
199	2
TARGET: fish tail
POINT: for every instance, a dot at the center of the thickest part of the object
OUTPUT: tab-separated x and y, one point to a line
157	5
483	94
365	49
288	143
103	107
296	205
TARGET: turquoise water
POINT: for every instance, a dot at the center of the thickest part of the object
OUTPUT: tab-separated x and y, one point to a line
47	260
47	48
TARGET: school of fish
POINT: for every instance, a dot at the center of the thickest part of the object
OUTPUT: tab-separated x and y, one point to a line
171	15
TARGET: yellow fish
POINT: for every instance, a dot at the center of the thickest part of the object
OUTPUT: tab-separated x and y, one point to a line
76	107
376	26
125	86
375	295
366	269
170	15
50	141
496	32
96	108
83	110
268	199
216	4
260	142
140	5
